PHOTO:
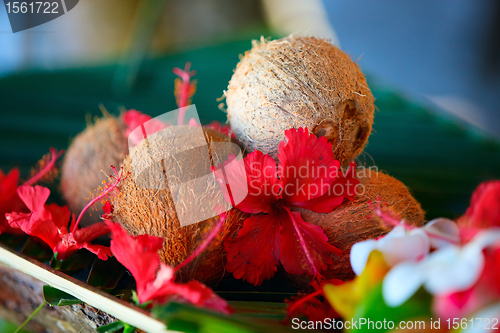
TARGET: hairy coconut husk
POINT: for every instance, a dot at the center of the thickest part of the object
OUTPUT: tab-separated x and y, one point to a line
350	223
88	161
299	82
145	204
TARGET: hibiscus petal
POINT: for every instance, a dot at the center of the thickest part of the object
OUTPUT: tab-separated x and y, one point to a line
223	128
46	231
149	243
343	187
91	232
254	254
484	209
101	251
307	166
304	246
34	197
164	287
8	183
259	187
323	204
16	220
133	119
9	200
59	215
232	180
135	254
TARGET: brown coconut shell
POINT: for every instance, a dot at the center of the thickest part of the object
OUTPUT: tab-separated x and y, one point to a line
299	82
151	211
350	223
88	161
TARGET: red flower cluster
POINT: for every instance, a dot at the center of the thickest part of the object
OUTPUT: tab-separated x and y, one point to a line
50	224
134	119
9	200
313	306
307	176
155	280
484	211
224	129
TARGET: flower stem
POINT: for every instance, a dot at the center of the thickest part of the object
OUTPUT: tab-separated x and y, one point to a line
19	329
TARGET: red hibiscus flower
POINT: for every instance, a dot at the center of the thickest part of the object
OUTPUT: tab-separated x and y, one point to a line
484	209
307	176
314	306
50	224
224	129
155	280
134	119
9	200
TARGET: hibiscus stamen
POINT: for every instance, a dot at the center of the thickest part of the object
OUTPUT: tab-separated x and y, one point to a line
46	166
302	242
388	217
203	246
117	178
295	305
183	90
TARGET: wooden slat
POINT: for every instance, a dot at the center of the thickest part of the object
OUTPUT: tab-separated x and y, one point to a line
90	295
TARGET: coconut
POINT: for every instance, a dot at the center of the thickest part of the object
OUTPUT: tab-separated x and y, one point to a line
88	161
146	205
299	82
354	221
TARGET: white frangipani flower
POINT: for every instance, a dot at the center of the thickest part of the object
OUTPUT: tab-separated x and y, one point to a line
401	244
449	269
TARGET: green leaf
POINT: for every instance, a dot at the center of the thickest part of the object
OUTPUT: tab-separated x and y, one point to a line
110	328
56	297
262	310
9	327
374	309
34	249
187	318
135	298
129	329
78	260
105	274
